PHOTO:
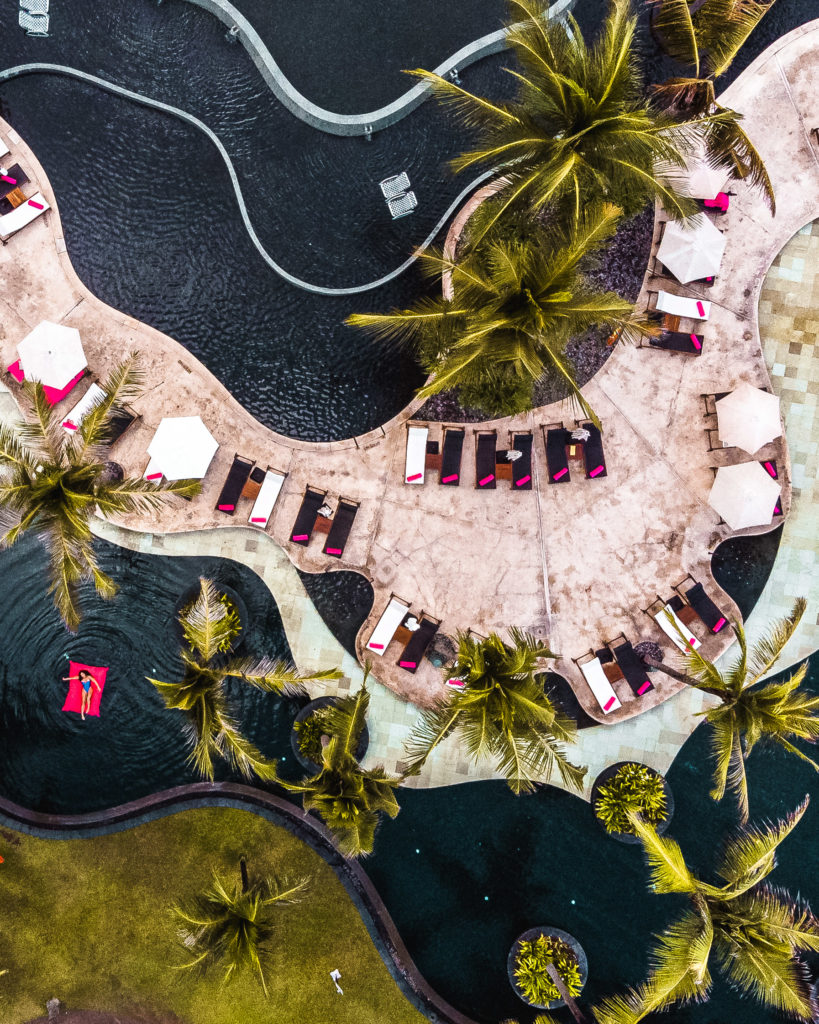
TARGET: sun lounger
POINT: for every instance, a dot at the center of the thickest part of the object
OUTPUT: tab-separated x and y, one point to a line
673	629
451	457
556	458
485	456
633	668
120	418
522	467
600	686
705	608
23	215
593	457
266	499
92	397
234	482
152	472
397	185
391	618
306	519
679	341
402	205
340	530
681	305
4	149
418	643
416	455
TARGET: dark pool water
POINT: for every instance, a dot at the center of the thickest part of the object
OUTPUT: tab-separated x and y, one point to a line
343	600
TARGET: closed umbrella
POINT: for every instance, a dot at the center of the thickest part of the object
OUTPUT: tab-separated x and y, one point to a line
744	495
691	251
182	448
52	354
748	418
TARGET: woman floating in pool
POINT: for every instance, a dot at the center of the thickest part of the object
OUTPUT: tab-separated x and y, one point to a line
86	680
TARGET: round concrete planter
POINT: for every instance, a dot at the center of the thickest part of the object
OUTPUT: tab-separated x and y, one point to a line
557	933
609	773
190	594
307	763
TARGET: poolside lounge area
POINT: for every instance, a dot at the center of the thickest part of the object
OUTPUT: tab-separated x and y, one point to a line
483	558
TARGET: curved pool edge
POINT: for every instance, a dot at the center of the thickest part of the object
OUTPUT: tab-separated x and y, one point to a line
356	882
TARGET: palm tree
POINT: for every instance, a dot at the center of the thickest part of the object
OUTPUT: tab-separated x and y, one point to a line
751	931
53	481
580	126
705	36
514	307
749	711
210	628
348	798
501	712
229	924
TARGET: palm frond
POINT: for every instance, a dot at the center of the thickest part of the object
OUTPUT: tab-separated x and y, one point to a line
768	649
431	729
749	855
206	623
673	25
669	872
722	27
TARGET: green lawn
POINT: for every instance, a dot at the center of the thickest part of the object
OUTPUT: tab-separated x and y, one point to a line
87	920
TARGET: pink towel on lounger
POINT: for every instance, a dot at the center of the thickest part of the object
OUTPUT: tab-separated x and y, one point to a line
73	701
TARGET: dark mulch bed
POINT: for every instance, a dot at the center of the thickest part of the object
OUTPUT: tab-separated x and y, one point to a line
621	268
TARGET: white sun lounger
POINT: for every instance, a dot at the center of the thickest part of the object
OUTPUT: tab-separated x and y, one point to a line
93	396
671	632
600	686
391	618
25	214
4	149
680	305
266	498
153	472
416	455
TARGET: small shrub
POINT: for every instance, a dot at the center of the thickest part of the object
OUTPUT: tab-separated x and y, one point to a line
533	957
308	735
497	392
633	787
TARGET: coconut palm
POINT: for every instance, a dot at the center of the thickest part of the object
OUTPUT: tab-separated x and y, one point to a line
513	309
502	712
752	932
349	799
749	711
230	924
53	481
705	36
210	629
580	125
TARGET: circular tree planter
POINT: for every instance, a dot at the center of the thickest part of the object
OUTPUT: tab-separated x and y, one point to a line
190	594
315	705
606	775
528	936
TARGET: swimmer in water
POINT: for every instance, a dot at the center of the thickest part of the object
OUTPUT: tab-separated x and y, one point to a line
86	680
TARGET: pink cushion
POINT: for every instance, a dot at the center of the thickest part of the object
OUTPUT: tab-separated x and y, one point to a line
562	472
609	703
596	472
11	181
154	476
700	309
415	476
376	647
53	395
16	370
719	625
523	480
695	341
408	664
37	206
449	479
301	536
258	519
333	551
73	700
486	480
770	469
69	425
227	508
646	686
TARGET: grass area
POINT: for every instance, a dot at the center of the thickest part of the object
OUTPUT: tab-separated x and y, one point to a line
88	920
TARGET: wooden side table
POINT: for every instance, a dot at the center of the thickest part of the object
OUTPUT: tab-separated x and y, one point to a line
322	524
403	635
254	483
503	470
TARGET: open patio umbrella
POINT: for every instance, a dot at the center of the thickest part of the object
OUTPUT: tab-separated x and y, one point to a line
182	448
702	180
52	354
748	418
691	251
744	495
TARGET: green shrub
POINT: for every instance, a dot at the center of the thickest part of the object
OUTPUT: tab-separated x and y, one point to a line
533	957
308	735
633	787
498	391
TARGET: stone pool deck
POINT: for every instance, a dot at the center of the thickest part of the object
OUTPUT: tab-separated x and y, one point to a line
486	560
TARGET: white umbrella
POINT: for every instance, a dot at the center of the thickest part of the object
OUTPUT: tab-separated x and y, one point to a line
748	418
744	495
52	354
182	448
691	251
702	180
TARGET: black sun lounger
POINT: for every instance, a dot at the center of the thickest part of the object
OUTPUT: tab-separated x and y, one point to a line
593	455
419	641
522	467
485	455
451	457
556	441
769	465
705	608
232	488
306	519
119	420
340	530
632	668
678	341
